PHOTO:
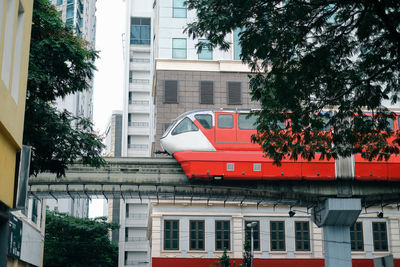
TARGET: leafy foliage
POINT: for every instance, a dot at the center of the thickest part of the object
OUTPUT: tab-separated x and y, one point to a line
311	56
247	251
71	241
59	64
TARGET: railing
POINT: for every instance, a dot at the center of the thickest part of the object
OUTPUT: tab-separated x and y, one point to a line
139	102
135	239
139	81
137	216
141	124
139	146
142	60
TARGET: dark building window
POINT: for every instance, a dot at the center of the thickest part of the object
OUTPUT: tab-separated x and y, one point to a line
356	237
206	92
277	235
140	31
302	236
222	235
34	210
380	236
256	234
196	235
171	234
234	93
171	92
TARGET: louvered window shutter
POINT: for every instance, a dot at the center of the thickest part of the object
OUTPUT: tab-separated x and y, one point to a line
206	92
171	92
234	93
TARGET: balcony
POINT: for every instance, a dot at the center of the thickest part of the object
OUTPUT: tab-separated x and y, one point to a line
137	220
136	243
140	85
139	106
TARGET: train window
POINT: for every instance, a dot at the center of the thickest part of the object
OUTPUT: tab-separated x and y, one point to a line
205	120
389	124
186	125
247	123
225	121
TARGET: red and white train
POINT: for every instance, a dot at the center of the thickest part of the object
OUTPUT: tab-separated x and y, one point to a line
216	144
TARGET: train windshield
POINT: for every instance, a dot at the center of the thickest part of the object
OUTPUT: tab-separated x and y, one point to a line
169	128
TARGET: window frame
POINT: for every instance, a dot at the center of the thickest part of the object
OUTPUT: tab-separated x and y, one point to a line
177	8
228	93
240	115
206	49
178	48
165	101
278	249
355	240
141	26
197	239
222	238
201	88
380	240
256	232
170	240
302	238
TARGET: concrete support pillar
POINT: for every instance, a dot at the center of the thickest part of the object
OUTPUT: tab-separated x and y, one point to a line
335	216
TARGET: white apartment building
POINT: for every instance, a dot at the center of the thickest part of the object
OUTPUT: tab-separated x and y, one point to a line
80	14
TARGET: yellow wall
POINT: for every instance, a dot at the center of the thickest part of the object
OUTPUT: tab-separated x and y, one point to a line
15	31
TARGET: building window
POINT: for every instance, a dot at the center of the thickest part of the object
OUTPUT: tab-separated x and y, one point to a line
302	236
256	234
70	11
277	234
178	48
34	210
59	2
380	236
140	31
170	92
356	237
179	9
222	235
237	48
234	93
171	234
206	92
196	235
206	51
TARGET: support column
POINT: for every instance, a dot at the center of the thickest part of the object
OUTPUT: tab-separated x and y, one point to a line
335	216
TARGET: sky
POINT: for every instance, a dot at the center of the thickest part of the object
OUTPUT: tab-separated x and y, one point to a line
108	80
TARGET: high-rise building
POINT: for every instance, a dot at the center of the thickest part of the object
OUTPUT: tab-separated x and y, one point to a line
80	15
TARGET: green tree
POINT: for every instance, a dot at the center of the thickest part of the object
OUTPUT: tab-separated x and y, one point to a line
59	64
224	260
247	251
71	241
308	56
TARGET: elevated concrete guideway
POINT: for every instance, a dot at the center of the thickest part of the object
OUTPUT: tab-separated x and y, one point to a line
163	178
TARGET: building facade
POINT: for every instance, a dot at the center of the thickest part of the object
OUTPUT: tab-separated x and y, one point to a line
21	231
81	16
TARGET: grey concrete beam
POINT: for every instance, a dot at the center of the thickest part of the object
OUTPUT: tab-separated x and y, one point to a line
164	178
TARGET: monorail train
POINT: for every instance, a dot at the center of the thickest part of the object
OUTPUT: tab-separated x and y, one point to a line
216	144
